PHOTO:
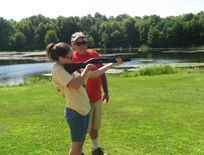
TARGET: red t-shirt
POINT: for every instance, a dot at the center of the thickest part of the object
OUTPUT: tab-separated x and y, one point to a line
93	86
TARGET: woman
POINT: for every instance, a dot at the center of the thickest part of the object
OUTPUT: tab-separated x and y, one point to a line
72	88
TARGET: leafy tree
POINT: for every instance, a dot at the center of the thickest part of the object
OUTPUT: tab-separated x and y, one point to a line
97	15
160	25
18	41
94	34
86	23
121	17
171	36
105	31
49	26
67	26
130	32
117	38
90	41
187	17
154	20
40	33
99	19
37	20
144	29
153	37
179	30
105	39
51	37
27	29
195	31
6	30
121	31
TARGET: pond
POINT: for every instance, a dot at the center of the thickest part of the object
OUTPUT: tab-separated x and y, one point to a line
18	71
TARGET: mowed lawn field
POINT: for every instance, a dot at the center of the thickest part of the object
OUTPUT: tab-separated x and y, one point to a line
155	115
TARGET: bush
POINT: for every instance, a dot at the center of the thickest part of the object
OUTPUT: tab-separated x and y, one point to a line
158	70
34	79
153	70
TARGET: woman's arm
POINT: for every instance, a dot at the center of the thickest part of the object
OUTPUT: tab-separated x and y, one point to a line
76	83
100	71
103	69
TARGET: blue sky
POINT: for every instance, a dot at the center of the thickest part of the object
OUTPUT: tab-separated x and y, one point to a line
19	9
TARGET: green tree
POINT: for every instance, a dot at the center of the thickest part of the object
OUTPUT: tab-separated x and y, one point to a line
188	17
179	37
6	30
40	33
153	37
37	20
27	29
90	41
67	26
18	41
130	32
51	37
171	37
194	30
105	31
117	38
86	23
121	17
50	26
94	34
104	39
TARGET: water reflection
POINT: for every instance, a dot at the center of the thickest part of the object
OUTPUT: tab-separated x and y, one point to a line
187	57
15	74
15	62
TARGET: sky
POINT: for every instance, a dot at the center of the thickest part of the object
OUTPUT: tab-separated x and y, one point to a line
19	9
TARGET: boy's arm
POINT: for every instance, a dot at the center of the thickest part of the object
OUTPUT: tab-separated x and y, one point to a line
105	88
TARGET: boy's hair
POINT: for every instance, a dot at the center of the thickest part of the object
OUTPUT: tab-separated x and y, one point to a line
54	51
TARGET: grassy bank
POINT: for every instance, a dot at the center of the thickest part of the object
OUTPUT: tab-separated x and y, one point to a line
145	115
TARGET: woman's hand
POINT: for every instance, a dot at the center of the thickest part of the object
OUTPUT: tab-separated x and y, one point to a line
89	67
119	61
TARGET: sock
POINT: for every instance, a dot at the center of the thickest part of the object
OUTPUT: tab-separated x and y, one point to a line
95	143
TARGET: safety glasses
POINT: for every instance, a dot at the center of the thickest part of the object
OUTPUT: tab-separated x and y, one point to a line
70	58
80	43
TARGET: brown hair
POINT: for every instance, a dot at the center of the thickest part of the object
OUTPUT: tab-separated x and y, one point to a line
54	51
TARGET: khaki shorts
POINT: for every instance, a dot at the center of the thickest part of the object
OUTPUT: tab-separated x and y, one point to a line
95	115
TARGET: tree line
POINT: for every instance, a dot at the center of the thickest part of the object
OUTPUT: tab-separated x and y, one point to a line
37	31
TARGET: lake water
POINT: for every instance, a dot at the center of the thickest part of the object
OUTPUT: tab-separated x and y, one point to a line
15	72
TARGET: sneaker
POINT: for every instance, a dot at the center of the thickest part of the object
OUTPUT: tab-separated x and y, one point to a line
98	151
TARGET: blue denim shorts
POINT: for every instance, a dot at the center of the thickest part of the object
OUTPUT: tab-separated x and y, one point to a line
78	124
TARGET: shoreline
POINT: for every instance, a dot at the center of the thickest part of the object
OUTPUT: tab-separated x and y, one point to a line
36	56
41	56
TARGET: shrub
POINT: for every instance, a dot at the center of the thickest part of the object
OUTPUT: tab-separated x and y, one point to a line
34	79
158	70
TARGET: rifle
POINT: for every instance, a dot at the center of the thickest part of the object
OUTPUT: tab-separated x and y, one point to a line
70	68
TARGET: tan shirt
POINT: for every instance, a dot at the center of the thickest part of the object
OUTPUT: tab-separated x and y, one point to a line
76	99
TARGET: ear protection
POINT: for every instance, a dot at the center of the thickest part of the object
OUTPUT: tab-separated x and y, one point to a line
61	58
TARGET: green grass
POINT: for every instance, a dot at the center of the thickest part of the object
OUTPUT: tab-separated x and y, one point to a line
154	115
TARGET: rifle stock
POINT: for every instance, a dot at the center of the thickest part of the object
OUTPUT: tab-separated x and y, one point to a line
70	68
